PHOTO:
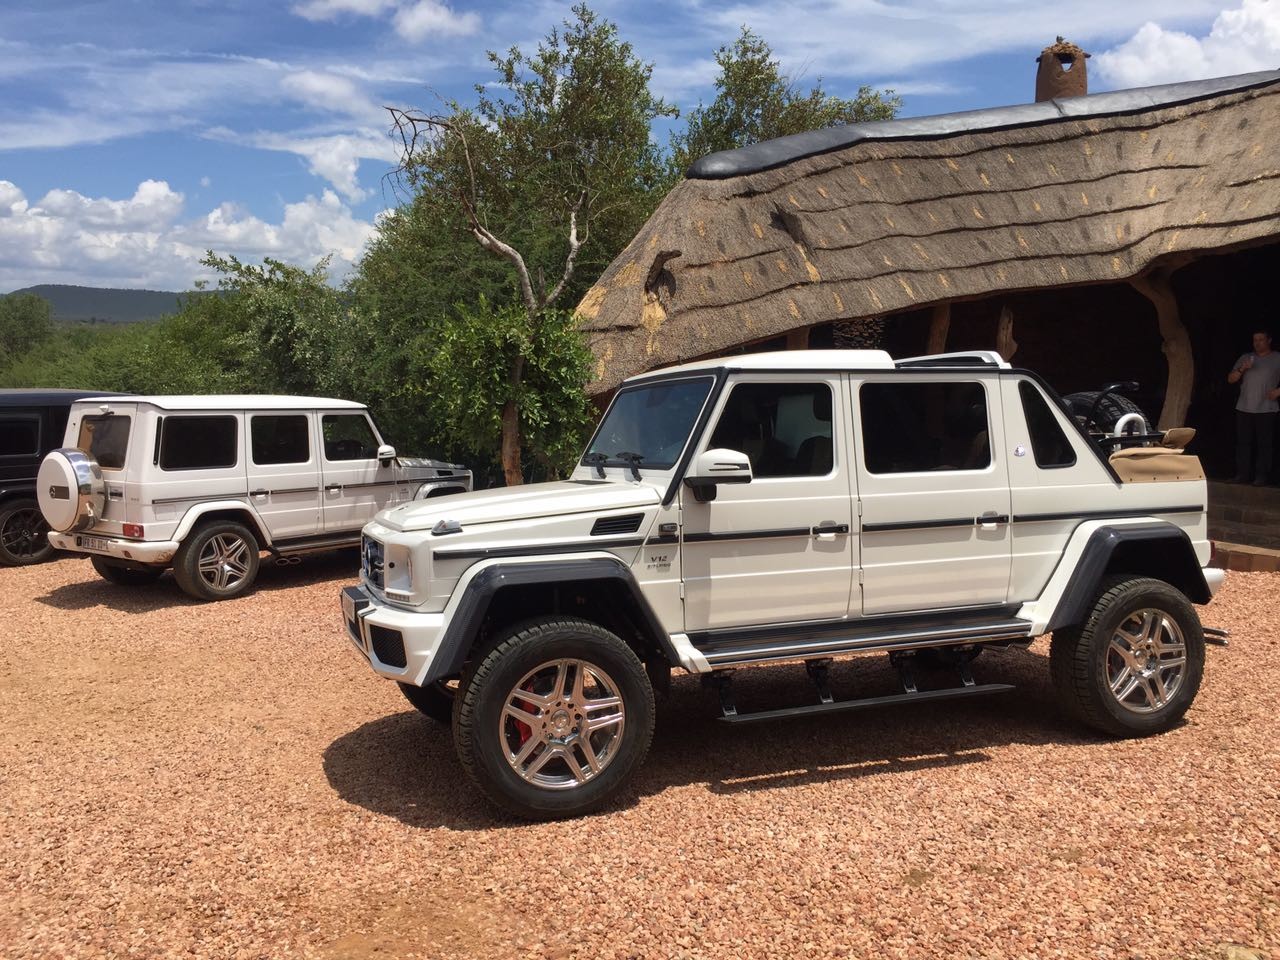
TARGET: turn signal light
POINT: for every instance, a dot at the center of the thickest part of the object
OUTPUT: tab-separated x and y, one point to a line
133	531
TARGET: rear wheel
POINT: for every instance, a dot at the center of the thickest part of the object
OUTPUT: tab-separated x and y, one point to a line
1134	666
123	575
217	561
435	700
554	719
23	534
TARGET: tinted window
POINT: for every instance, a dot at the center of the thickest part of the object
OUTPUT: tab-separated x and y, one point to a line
1048	442
785	428
280	439
918	427
198	443
19	436
654	421
348	436
106	438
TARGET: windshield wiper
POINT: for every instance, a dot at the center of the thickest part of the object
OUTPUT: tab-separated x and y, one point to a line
632	460
597	460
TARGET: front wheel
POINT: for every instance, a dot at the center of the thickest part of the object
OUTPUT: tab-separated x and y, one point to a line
125	576
23	534
217	561
1134	666
554	720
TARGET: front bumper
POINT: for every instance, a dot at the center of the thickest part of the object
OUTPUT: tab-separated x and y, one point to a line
398	644
139	551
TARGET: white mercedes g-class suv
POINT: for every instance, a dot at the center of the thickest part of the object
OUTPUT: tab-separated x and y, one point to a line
205	484
791	506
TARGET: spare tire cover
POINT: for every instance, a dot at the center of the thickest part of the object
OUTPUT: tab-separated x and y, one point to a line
70	490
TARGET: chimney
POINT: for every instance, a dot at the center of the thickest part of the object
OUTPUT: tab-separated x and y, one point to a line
1062	72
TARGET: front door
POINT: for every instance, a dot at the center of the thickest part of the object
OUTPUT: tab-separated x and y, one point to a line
781	548
284	471
356	486
934	492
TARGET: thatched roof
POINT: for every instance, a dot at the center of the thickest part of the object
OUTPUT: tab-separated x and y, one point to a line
870	219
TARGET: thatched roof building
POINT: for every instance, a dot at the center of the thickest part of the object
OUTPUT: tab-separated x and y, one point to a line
873	219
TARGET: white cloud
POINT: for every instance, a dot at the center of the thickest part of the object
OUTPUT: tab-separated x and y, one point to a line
332	9
430	18
206	182
1241	40
333	157
328	92
143	242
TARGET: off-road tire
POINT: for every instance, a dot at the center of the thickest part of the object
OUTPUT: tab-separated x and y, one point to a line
23	534
125	576
435	700
201	542
1109	411
1078	658
492	679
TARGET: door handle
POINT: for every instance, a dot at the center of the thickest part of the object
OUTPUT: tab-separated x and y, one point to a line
832	528
991	519
333	488
258	493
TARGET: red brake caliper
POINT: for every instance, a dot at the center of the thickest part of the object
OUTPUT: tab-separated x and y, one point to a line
524	729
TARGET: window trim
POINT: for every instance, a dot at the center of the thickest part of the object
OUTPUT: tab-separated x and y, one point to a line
377	440
235	446
307	424
1049	408
23	417
810	378
965	377
94	417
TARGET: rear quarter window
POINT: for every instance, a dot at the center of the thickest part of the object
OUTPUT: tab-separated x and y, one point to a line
198	443
19	436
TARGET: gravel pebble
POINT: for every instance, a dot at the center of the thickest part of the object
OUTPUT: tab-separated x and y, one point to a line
228	780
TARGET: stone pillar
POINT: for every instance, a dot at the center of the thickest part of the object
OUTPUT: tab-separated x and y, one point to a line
1062	72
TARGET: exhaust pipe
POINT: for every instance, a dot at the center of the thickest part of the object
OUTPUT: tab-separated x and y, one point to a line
288	561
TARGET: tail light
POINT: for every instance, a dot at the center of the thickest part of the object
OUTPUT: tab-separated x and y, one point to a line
133	531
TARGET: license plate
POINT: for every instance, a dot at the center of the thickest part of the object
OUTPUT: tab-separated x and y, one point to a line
93	543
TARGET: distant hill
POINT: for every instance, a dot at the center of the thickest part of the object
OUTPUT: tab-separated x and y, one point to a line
104	305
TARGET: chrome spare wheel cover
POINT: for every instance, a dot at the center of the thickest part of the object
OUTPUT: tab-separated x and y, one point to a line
224	561
70	490
1146	661
562	724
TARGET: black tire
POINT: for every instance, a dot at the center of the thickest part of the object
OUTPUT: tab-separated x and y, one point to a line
24	536
435	700
484	732
198	570
125	576
1085	664
1110	410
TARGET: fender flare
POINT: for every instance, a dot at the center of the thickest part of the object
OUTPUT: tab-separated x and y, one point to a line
1176	555
18	488
200	510
464	625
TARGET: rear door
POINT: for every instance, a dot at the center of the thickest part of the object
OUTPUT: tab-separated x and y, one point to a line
934	491
356	486
283	454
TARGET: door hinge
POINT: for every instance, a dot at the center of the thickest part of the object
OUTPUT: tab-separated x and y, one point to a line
861	576
681	589
859	508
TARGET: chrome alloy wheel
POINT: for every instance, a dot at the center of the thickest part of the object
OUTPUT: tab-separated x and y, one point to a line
562	724
22	536
224	561
1146	661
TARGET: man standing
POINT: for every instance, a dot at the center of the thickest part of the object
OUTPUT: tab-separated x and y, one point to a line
1258	374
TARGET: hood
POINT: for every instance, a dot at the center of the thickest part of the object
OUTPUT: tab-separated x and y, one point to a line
522	503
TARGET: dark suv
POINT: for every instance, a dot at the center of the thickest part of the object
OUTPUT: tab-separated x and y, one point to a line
31	424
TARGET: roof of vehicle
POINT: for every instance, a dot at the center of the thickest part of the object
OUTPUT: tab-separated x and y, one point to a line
44	396
788	360
233	401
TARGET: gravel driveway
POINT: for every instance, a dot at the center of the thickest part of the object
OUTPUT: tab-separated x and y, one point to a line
227	780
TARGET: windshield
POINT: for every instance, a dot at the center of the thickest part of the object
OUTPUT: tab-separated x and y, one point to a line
653	421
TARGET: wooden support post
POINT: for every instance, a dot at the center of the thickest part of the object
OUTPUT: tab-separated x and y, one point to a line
1156	285
939	328
798	339
1006	346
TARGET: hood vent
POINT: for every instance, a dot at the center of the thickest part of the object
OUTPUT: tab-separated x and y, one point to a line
627	523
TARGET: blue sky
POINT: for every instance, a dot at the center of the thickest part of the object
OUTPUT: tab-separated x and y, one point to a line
135	134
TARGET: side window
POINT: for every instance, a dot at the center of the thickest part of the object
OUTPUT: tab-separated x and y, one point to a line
19	436
348	436
785	428
198	443
106	439
916	427
1049	444
280	439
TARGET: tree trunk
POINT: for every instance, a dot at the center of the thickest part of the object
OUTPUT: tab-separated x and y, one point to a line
798	339
1006	346
939	327
1157	287
511	470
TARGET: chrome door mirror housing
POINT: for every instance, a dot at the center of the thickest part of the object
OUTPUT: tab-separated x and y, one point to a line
714	467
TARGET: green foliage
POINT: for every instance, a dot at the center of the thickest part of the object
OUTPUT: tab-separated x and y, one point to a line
24	322
755	101
470	371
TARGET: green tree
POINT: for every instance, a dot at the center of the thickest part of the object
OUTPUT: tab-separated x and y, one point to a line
25	320
552	176
756	101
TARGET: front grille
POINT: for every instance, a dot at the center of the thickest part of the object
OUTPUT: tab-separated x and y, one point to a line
371	561
388	645
627	523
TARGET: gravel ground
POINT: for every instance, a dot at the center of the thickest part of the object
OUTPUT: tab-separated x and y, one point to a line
185	780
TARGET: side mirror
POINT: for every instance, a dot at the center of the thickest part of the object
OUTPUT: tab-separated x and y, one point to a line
714	467
386	454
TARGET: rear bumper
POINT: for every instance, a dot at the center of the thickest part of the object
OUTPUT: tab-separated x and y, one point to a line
139	551
397	644
1213	577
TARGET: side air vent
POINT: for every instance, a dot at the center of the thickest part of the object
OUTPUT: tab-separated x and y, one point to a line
627	523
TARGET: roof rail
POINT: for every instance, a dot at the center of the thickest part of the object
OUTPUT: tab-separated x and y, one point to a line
972	358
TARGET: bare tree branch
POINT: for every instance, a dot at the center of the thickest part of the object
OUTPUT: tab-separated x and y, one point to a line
575	244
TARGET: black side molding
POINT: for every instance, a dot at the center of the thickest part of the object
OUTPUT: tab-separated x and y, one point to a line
1158	550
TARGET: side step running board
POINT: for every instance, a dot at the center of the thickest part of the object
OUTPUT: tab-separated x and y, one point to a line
866	703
